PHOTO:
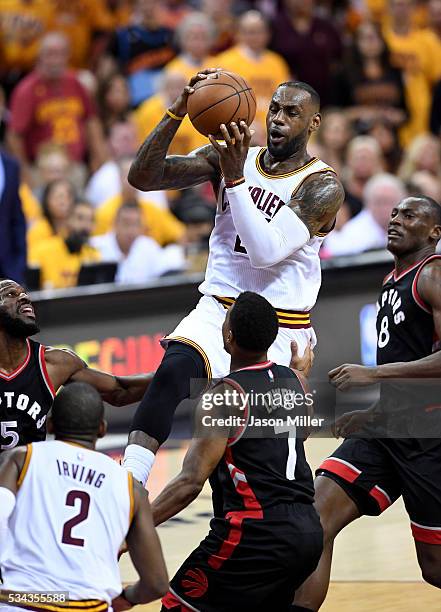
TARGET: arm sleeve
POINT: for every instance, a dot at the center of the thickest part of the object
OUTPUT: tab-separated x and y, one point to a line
266	243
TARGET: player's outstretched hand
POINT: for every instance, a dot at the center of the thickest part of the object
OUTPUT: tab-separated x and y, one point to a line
303	364
350	422
350	375
232	156
179	106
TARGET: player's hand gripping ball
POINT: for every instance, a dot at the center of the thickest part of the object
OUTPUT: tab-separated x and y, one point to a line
221	97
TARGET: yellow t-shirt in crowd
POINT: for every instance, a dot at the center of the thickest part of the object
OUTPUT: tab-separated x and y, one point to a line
22	25
378	11
263	74
78	19
159	223
58	267
30	205
417	54
188	70
150	113
38	234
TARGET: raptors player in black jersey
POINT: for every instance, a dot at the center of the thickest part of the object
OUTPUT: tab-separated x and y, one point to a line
265	537
366	475
31	374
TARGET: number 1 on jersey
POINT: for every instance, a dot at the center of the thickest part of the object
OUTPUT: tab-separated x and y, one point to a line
292	451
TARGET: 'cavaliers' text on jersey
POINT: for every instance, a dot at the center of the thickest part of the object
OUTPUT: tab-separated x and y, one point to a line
26	396
293	283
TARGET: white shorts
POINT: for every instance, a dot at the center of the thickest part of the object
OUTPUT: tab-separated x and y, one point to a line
202	329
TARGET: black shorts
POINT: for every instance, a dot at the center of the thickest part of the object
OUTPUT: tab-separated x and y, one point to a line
375	472
249	563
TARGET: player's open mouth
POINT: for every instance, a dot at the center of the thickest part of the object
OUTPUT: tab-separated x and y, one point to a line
276	137
27	310
393	233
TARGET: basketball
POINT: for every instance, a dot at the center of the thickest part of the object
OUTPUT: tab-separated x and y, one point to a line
221	98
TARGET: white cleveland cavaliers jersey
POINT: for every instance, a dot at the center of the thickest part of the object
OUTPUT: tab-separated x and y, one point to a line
293	283
74	508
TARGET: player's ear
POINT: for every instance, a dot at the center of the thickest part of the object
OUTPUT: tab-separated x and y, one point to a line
102	429
436	233
50	426
315	122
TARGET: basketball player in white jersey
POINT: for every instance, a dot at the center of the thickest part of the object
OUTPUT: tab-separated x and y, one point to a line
275	205
68	509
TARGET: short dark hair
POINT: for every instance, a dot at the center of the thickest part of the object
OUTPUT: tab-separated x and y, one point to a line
434	206
253	322
77	410
315	98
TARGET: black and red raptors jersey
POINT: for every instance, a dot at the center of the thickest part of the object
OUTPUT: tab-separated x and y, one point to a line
405	329
264	464
26	396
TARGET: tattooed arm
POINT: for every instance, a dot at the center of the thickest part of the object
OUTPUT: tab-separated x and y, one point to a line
154	169
317	201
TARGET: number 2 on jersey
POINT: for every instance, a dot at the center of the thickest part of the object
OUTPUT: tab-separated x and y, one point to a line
71	498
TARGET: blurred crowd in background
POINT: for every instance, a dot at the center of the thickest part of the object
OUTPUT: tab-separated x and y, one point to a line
84	81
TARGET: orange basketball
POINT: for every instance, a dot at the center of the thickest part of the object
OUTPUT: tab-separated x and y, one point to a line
221	98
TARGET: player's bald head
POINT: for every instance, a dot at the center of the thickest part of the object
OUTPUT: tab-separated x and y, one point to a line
77	412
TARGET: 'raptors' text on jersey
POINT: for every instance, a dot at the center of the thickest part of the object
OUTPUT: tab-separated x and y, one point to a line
405	328
293	283
26	396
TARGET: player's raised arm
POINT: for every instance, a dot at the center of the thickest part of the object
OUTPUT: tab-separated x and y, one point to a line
153	169
205	452
65	366
145	551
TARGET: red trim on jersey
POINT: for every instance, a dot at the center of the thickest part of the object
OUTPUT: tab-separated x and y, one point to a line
257	366
342	468
416	296
381	497
404	272
42	360
253	510
234	536
170	601
241	430
387	277
429	535
21	367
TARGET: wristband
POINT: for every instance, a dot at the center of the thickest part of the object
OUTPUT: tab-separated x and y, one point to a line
230	184
173	116
123	595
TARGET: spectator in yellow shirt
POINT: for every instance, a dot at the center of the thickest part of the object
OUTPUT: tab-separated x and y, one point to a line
22	26
417	53
263	69
195	36
57	202
60	258
150	113
158	223
79	20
